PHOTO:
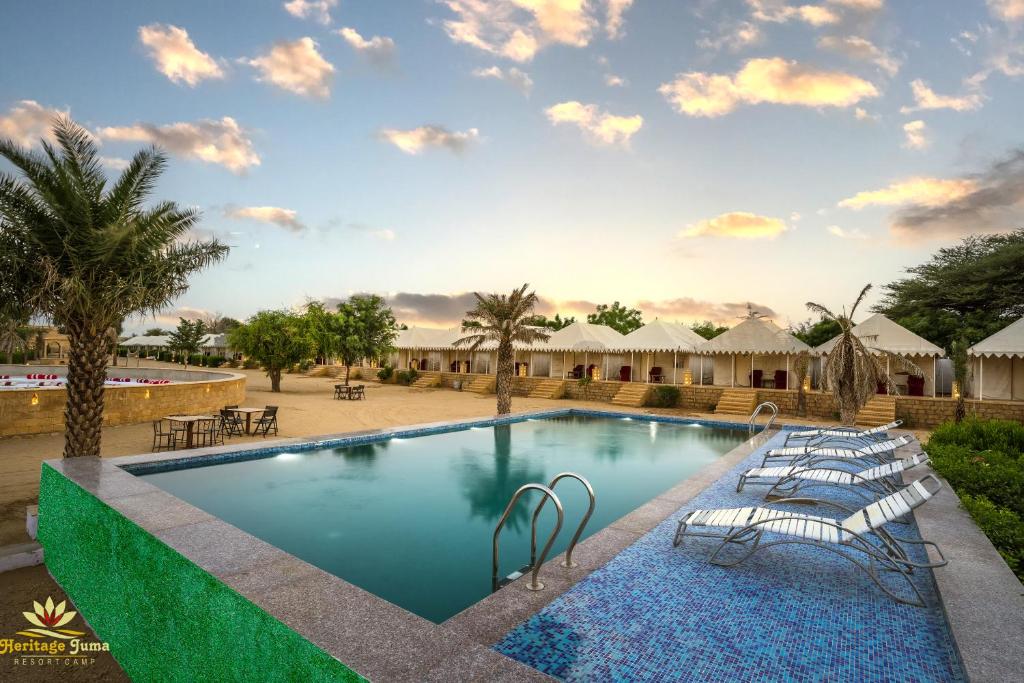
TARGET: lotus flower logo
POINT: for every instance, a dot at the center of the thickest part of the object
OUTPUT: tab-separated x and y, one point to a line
49	620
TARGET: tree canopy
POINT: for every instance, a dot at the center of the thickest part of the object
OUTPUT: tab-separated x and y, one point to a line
617	317
708	329
188	338
817	333
556	323
366	329
276	340
971	289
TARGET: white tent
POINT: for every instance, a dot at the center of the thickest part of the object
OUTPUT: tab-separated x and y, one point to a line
594	343
671	339
756	338
884	337
998	364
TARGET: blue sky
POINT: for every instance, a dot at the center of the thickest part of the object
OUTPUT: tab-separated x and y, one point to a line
687	157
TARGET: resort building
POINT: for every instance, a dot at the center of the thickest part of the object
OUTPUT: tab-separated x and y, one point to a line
756	353
51	344
997	365
212	345
659	345
886	338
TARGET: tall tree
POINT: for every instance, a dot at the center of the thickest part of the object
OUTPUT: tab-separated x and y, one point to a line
617	317
503	319
276	340
156	332
100	253
18	279
188	338
972	289
708	329
322	326
367	329
556	323
816	333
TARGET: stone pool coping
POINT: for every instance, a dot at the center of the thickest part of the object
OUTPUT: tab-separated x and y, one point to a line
372	636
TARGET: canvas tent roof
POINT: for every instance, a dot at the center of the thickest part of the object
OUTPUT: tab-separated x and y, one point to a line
754	335
580	336
1008	342
426	338
659	335
878	332
163	341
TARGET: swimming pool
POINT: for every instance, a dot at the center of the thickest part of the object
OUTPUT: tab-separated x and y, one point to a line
411	519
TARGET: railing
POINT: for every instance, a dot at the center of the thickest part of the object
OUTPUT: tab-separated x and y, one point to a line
534	584
752	423
567	562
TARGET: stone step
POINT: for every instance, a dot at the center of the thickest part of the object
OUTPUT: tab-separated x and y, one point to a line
481	384
549	388
736	402
879	410
426	380
632	395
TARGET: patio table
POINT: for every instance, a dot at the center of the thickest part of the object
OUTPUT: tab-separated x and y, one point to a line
190	423
248	415
342	391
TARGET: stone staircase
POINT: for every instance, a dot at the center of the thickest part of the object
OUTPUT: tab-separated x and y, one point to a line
325	371
737	402
426	380
632	394
879	410
548	388
481	384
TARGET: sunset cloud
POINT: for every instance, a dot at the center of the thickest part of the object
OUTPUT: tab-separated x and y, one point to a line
861	49
599	127
927	192
318	10
738	224
855	234
297	67
1007	10
415	140
613	12
377	50
176	56
732	36
778	12
27	122
915	133
859	5
774	80
275	215
691	309
513	76
221	142
926	98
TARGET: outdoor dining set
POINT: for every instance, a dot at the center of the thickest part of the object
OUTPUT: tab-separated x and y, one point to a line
198	431
349	392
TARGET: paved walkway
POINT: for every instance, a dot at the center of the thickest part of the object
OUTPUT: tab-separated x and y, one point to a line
789	613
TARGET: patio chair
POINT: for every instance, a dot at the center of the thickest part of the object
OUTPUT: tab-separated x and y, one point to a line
860	538
655	375
231	423
576	372
869	484
163	440
267	422
453	366
590	370
755	378
342	391
359	392
626	373
424	364
781	379
915	386
813	454
844	433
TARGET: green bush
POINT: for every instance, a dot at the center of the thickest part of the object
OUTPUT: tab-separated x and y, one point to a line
664	397
384	374
407	377
1003	527
164	356
215	361
993	474
982	435
197	359
249	364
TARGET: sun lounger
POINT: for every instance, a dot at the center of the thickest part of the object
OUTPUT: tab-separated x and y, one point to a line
860	538
811	454
869	483
843	434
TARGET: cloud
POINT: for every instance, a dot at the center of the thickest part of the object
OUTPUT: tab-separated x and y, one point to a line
377	50
513	76
772	80
518	29
861	49
732	37
859	5
862	114
600	127
740	224
431	308
114	163
992	201
920	191
221	142
1007	10
926	98
297	67
319	10
275	215
176	56
855	234
778	12
697	309
613	81
27	122
916	135
614	9
384	234
415	140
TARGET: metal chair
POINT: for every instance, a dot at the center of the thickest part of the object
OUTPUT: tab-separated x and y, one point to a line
231	423
267	422
163	440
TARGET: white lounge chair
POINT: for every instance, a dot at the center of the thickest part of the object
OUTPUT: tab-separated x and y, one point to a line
789	480
878	453
860	538
843	433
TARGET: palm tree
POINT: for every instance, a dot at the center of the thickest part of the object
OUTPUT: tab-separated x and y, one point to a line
505	320
852	370
98	255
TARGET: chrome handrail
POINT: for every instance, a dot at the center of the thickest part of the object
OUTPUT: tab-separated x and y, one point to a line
534	584
567	562
753	416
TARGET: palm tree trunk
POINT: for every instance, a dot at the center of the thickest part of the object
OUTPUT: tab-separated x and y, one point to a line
503	384
83	413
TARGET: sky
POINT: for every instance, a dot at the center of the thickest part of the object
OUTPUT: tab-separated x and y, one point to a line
687	158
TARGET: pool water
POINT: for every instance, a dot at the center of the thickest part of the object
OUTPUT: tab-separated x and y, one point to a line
411	520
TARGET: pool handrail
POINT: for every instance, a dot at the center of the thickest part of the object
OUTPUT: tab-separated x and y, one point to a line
533	584
752	423
567	562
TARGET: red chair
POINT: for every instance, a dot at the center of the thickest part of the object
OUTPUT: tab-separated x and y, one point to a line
424	364
883	388
453	366
590	370
626	373
781	379
915	386
576	372
755	379
656	376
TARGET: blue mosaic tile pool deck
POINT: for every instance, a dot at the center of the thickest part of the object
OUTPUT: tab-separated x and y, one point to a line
789	613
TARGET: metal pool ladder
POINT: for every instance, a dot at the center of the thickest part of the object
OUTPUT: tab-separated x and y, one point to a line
535	562
752	424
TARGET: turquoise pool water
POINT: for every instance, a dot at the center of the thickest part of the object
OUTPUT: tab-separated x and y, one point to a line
411	520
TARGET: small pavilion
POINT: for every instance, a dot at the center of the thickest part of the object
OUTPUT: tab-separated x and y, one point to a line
755	353
660	344
997	365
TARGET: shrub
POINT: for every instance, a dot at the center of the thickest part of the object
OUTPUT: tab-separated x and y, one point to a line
997	435
407	377
993	474
384	374
250	364
664	397
164	356
215	361
1003	527
197	359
